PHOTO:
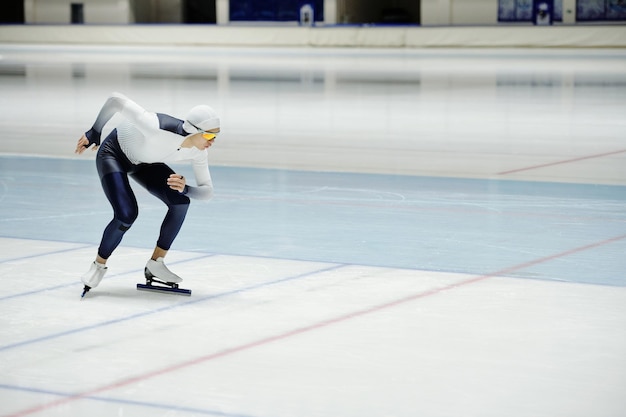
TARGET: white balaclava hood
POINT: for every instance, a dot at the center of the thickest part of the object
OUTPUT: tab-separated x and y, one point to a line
203	117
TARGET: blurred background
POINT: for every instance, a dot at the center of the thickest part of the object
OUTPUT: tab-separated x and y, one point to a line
410	12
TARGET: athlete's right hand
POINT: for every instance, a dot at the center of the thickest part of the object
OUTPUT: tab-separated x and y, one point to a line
83	143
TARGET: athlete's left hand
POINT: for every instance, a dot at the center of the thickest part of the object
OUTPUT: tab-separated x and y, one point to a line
83	144
176	182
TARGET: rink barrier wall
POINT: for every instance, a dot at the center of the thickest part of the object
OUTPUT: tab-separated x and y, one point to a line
591	36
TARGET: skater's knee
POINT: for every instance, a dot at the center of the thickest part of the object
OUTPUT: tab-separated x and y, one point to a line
124	223
184	203
178	210
126	218
179	200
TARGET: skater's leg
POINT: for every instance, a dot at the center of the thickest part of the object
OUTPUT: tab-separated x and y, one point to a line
113	167
154	178
125	210
122	199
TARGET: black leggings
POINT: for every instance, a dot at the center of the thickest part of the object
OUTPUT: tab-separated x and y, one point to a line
114	169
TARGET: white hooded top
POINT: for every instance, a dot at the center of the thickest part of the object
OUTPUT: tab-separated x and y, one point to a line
143	140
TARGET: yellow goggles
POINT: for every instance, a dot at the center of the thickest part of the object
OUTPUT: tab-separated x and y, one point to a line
205	134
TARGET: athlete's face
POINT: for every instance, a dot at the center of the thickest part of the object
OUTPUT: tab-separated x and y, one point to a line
204	140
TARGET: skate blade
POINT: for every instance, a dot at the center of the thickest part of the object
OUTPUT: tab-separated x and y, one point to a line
159	288
85	291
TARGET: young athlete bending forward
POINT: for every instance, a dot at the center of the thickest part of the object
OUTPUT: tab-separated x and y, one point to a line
139	147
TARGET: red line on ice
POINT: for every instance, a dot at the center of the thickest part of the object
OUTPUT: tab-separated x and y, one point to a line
305	329
567	161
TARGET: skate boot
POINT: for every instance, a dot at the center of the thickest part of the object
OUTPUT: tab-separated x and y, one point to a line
92	278
157	271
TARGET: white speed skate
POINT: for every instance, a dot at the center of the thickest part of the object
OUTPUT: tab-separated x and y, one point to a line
157	271
161	279
92	278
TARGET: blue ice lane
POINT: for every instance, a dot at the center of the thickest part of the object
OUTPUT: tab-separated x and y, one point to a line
441	224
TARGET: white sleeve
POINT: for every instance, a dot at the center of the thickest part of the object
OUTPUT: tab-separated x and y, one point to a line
204	188
119	103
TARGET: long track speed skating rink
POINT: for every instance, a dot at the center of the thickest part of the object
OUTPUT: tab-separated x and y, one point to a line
394	233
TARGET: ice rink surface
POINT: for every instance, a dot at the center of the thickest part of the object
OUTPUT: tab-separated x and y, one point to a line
393	233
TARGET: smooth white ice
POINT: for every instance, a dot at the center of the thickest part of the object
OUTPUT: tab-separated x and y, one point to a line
267	337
